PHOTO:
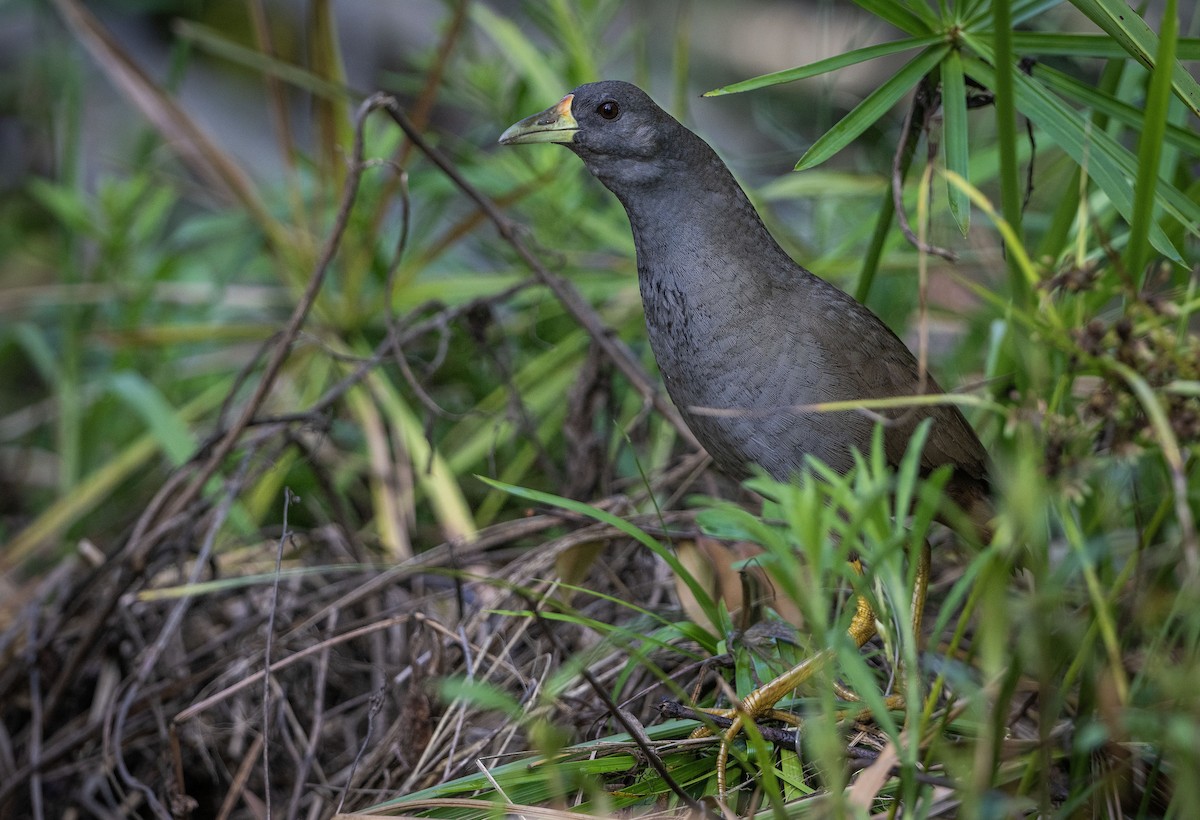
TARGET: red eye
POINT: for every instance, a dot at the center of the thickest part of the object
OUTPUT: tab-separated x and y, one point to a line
608	109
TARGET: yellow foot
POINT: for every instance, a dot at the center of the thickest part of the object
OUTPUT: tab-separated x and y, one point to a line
760	704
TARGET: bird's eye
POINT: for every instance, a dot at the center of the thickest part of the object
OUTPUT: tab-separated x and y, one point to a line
608	109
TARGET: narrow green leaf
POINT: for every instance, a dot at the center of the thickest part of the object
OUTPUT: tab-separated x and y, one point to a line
483	696
910	466
970	9
150	215
217	43
166	425
35	344
1108	163
1096	151
1150	141
66	204
979	16
332	120
172	120
870	265
1066	217
575	38
858	55
954	136
1052	43
1160	422
1006	137
1023	10
1110	105
540	381
877	103
526	57
433	475
898	15
1125	26
1013	244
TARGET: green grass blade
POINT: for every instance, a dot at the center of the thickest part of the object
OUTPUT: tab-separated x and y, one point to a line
1108	163
1175	455
858	55
543	379
332	120
166	424
65	203
619	523
898	15
1150	143
1050	43
1104	103
170	118
433	475
979	15
955	137
1023	10
521	52
214	42
877	103
1006	137
94	488
35	344
1016	249
575	39
1121	23
870	265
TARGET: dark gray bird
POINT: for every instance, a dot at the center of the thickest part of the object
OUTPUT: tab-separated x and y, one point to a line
739	328
736	325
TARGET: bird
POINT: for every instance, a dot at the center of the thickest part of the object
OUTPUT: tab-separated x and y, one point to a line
746	339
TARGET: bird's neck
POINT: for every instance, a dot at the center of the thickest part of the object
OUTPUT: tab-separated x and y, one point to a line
693	213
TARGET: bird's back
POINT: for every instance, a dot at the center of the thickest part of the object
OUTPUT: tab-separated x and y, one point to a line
759	348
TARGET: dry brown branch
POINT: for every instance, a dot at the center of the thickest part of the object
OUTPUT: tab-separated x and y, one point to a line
916	121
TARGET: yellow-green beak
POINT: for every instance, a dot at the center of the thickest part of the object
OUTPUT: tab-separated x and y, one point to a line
555	124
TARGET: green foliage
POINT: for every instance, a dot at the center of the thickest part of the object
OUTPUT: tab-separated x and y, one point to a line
162	301
977	38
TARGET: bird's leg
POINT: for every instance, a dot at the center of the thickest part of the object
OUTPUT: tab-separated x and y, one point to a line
760	703
916	613
920	590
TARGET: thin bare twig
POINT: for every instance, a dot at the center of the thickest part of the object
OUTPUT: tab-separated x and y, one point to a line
317	728
36	716
916	119
240	778
269	645
376	706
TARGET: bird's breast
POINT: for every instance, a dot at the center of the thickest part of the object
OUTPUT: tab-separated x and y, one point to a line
708	349
741	363
668	314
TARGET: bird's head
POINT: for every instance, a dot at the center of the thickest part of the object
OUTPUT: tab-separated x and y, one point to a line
621	135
